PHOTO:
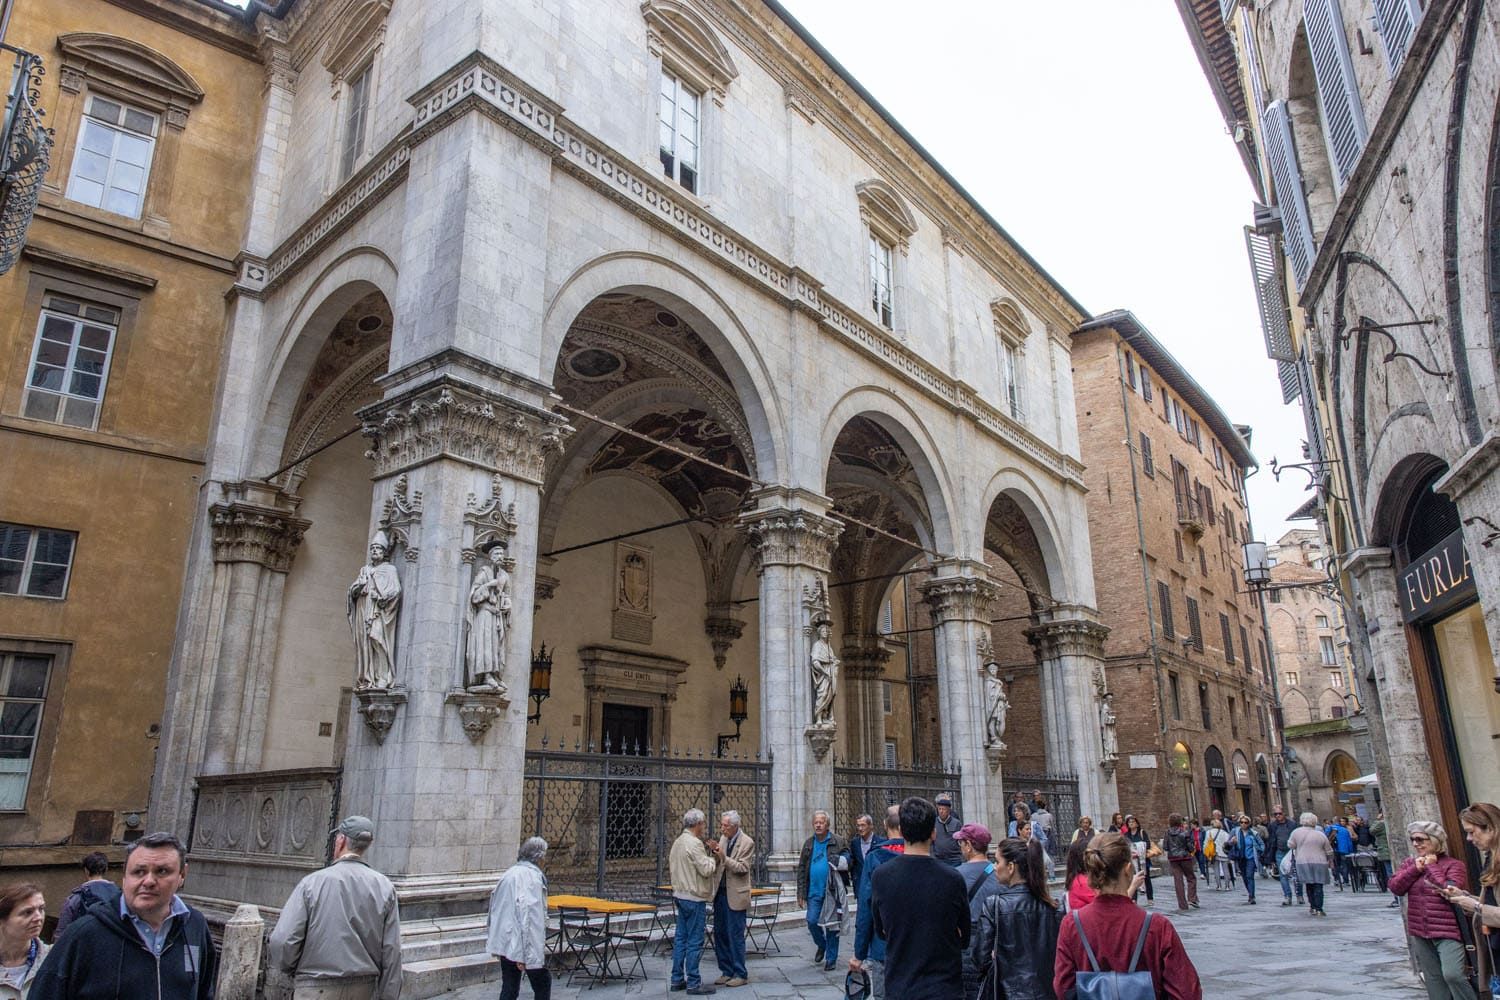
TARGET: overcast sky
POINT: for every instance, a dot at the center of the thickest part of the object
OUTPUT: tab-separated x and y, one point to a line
1089	131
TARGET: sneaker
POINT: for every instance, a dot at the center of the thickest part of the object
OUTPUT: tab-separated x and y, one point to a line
722	980
829	966
1286	902
1194	905
737	981
678	987
1252	902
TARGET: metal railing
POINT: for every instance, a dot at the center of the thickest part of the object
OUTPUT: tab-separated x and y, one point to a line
25	149
609	818
1059	791
869	788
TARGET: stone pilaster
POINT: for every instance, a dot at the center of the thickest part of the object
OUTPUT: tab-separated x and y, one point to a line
864	658
962	597
458	465
1070	652
1408	788
1473	484
794	542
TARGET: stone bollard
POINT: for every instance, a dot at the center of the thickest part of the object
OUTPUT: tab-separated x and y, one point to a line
239	960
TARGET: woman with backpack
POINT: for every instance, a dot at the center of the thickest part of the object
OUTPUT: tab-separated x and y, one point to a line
1015	943
1216	847
1431	921
1312	855
1113	935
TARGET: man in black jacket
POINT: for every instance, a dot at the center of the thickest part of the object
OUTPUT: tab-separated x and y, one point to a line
147	945
921	910
1278	842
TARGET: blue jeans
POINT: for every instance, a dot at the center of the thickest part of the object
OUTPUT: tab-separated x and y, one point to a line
687	943
1247	871
729	937
1287	881
827	941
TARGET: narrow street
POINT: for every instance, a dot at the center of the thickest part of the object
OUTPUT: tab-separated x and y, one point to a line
1240	951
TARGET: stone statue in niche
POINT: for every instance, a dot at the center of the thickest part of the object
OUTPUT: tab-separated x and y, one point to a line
996	705
489	623
825	676
374	601
1107	727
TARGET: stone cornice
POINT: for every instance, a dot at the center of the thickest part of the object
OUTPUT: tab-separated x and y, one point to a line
257	524
449	418
1474	467
1068	637
1363	561
479	84
785	537
960	598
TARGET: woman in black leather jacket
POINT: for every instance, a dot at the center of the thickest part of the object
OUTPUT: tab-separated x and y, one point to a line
1015	945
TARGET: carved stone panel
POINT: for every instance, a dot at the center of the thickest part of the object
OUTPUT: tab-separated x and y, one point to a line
632	618
265	814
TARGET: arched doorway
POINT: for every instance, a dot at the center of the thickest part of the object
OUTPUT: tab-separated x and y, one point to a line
1240	766
1182	770
1339	771
1218	779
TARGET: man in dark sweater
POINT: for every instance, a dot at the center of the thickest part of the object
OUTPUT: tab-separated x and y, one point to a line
921	911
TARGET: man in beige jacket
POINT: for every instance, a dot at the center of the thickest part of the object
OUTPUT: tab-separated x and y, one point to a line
694	863
732	900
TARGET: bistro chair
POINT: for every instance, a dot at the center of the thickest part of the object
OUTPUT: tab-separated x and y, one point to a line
763	912
663	923
582	944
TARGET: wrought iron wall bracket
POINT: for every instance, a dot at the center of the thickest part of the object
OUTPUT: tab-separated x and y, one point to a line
1367	325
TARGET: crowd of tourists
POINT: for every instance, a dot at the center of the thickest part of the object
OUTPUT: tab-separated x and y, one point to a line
941	910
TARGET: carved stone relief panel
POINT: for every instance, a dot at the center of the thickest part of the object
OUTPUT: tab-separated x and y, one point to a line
632	618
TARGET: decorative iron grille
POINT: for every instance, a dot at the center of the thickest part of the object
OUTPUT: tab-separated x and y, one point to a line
1060	791
870	788
609	818
25	149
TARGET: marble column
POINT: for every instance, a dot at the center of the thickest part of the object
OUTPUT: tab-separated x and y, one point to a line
1473	484
1070	653
794	541
458	463
1408	788
962	596
864	658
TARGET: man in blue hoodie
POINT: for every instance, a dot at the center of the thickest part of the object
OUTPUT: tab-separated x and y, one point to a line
869	948
1343	846
145	944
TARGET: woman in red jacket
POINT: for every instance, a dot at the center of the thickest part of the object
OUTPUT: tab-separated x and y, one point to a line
1430	920
1112	923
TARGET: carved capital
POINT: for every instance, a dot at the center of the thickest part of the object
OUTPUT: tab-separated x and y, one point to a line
451	419
723	631
478	710
276	56
785	537
379	709
257	523
960	598
864	657
1068	637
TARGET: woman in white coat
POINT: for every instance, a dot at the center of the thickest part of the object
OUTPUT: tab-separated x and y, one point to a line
518	924
1223	864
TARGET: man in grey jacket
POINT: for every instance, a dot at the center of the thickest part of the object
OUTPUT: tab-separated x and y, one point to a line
339	935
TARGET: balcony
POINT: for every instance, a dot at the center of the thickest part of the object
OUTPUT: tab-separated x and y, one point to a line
25	148
1190	516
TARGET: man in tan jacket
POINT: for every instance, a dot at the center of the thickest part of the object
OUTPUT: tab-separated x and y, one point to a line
732	900
694	863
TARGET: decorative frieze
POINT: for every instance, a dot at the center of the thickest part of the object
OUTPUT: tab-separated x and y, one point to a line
1068	637
785	537
450	419
960	598
267	814
257	524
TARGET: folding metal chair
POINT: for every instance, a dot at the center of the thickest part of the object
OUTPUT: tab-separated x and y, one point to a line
663	924
763	912
584	943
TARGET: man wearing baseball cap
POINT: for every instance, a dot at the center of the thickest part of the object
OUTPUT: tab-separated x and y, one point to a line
944	846
973	841
339	936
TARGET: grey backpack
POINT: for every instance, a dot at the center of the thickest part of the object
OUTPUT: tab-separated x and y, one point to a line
1127	985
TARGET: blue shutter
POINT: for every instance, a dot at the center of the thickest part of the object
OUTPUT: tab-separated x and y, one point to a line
1396	21
1281	150
1270	295
1343	115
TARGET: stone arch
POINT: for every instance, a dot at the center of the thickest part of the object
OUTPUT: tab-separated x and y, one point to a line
352	276
892	415
712	319
1014	487
1295	708
1398	490
1338	768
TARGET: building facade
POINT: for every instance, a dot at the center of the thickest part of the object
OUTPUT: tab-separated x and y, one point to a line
1369	131
1187	661
111	326
645	338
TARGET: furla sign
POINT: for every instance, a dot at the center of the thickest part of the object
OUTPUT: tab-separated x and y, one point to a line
1438	579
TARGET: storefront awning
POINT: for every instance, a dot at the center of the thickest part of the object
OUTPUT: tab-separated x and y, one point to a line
1369	779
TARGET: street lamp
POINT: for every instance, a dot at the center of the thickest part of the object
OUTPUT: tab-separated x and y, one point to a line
739	711
541	682
1257	565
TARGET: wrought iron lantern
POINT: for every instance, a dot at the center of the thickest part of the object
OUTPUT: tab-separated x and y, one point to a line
739	711
1257	565
541	682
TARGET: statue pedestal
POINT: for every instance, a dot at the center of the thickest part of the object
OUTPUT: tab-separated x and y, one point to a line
820	738
379	709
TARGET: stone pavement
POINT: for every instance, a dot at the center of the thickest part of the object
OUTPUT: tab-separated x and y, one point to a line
1358	950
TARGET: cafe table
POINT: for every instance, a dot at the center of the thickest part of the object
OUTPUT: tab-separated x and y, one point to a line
608	950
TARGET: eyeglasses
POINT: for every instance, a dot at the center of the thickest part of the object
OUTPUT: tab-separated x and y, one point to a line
1419	840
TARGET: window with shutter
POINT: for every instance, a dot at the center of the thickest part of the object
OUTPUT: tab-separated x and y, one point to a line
1270	296
1164	598
1228	636
1395	22
1291	386
1195	625
1252	62
1286	175
1147	464
1338	91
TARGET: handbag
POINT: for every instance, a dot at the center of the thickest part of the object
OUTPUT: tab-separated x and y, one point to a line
1127	985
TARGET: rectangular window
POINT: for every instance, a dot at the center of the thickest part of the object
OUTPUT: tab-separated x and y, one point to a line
1011	359
1195	434
1166	407
1336	679
1245	645
1291	678
885	697
1202	561
1321	621
113	160
1195	626
35	562
70	362
1145	386
23	692
1164	598
678	118
1147	463
1130	371
1177	537
1274	596
356	115
1228	635
1326	650
890	755
1176	687
880	284
1204	708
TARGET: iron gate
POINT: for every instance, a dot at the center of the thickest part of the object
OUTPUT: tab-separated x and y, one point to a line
870	788
609	819
1061	794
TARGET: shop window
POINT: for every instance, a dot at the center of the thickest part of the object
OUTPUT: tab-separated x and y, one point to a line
35	562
